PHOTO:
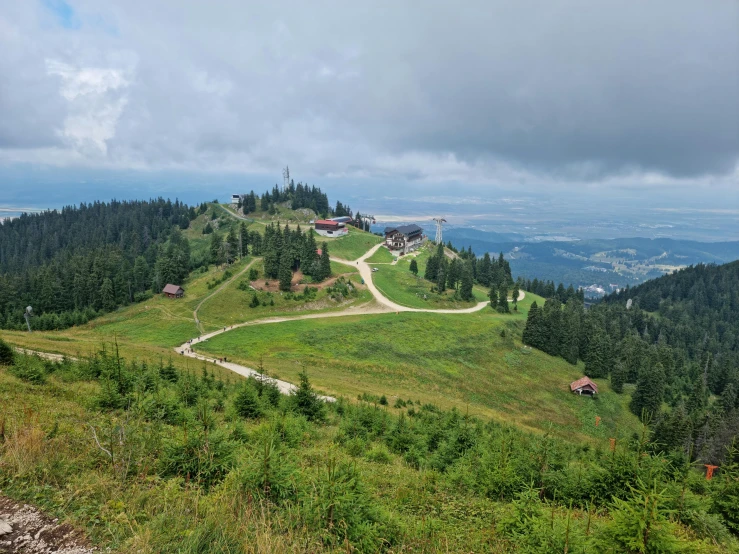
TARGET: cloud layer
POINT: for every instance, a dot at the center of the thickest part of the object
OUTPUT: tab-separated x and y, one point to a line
483	91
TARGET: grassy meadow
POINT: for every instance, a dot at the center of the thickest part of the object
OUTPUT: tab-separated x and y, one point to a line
351	246
398	284
469	361
232	304
382	256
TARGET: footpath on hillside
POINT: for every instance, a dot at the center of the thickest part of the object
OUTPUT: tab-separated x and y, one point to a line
381	305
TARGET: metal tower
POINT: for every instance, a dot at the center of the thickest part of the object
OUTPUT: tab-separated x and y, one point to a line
27	315
285	178
367	220
439	221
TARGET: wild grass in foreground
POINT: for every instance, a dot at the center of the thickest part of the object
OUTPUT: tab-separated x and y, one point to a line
149	459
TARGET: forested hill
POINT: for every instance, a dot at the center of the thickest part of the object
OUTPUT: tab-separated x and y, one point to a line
72	264
698	307
677	342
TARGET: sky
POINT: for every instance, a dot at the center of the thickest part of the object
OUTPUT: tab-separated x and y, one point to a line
436	96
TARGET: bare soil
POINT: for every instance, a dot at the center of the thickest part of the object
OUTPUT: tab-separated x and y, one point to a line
295	284
33	532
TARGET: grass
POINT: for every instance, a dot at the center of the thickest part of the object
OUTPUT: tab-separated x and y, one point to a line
398	284
351	246
382	256
452	360
232	305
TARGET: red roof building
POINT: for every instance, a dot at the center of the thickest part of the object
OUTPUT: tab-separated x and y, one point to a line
584	386
173	291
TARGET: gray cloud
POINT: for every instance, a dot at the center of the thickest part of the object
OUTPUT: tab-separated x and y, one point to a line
509	91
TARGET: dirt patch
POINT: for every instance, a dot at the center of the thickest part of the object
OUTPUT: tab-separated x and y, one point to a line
25	529
295	286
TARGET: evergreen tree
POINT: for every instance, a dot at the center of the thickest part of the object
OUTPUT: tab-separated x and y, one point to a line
215	248
243	240
441	280
598	356
618	377
465	289
570	334
285	272
232	240
533	330
325	262
493	296
503	300
515	293
649	392
107	296
432	269
414	267
246	402
485	270
305	401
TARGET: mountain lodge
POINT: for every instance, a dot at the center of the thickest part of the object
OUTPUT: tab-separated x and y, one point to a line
405	238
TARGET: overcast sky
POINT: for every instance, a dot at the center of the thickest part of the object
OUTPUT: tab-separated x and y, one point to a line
626	92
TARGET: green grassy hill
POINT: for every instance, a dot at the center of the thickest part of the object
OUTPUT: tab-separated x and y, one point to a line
351	246
398	284
469	361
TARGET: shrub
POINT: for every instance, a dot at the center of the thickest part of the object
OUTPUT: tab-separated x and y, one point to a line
247	403
305	401
202	457
29	369
380	455
7	355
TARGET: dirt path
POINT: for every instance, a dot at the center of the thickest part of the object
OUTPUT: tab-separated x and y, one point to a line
26	529
46	356
379	306
219	289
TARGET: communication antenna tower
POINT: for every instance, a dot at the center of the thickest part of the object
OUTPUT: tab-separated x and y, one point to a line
439	221
28	315
285	178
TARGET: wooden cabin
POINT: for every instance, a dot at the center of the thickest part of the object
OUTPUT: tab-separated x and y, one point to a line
584	386
173	291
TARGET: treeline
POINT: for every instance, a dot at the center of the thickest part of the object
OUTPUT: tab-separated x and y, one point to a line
234	245
74	264
683	361
286	251
299	196
462	271
243	444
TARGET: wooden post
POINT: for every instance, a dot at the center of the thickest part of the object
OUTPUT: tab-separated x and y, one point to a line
613	444
709	471
597	421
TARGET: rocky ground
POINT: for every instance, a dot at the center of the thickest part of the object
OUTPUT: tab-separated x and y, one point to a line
24	529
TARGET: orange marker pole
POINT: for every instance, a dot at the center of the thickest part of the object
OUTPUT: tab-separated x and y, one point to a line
709	471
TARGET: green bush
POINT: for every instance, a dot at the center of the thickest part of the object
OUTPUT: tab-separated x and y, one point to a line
379	454
198	456
7	356
246	402
29	369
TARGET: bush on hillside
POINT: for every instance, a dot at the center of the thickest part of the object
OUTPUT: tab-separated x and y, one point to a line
6	353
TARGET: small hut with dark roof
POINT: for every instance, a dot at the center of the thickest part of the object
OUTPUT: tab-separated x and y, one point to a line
173	291
584	386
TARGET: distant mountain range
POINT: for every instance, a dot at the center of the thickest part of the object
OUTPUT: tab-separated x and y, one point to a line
599	262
